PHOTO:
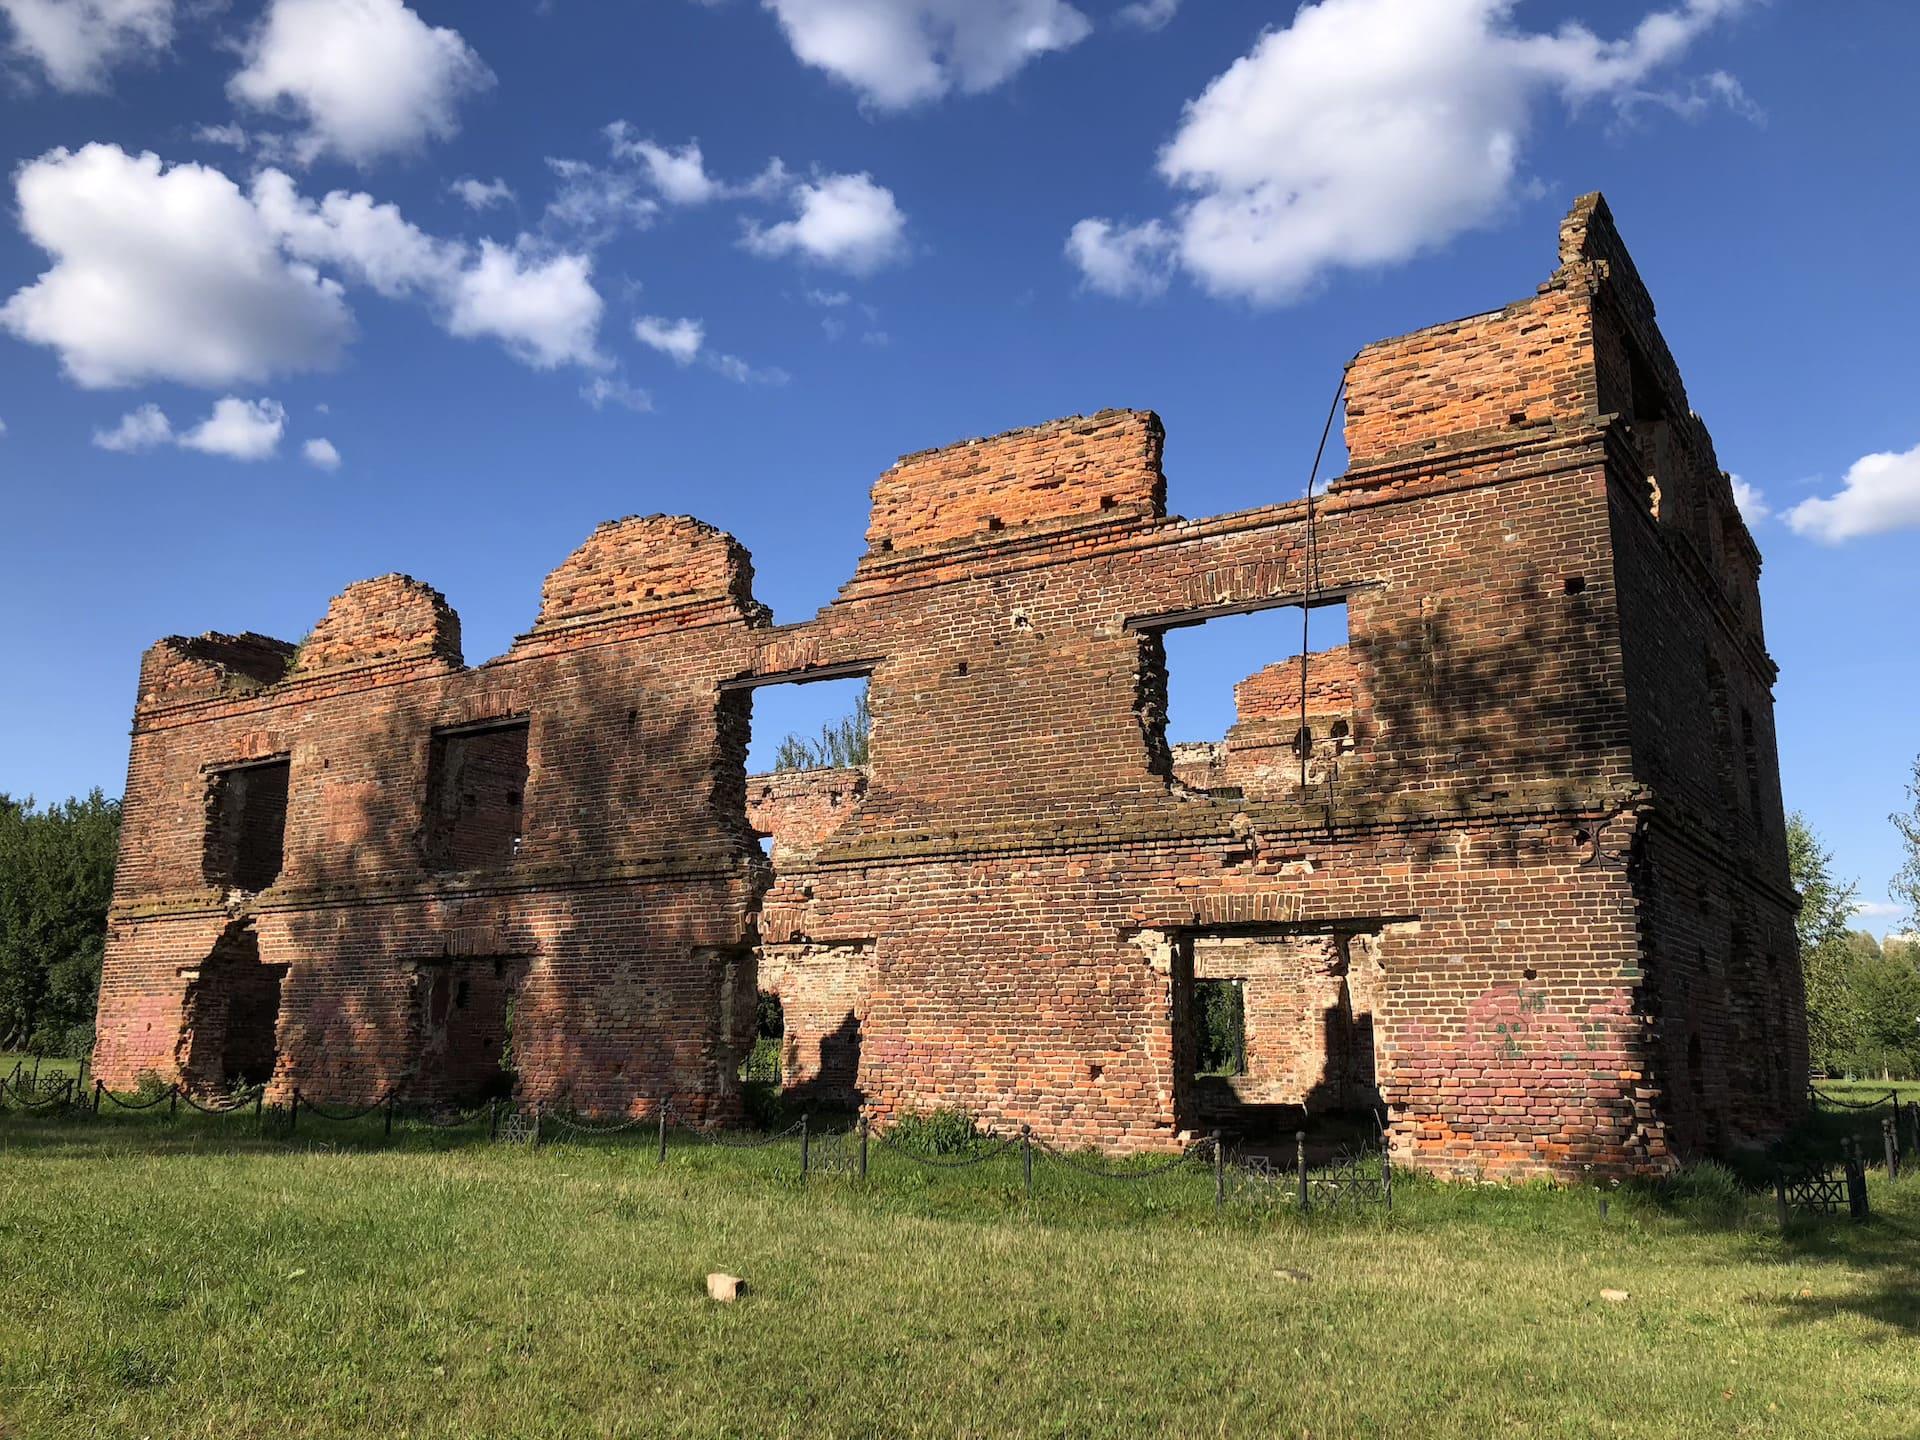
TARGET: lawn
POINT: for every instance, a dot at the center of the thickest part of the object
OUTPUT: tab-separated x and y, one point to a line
192	1279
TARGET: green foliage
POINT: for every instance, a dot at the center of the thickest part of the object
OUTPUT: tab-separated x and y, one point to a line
1826	907
56	880
843	743
770	1017
1906	883
935	1132
1221	1033
1707	1191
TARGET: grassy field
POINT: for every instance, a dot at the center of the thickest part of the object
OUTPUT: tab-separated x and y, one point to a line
191	1279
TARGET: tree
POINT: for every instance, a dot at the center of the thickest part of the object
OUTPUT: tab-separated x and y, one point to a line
1906	884
1826	905
843	743
1884	998
56	881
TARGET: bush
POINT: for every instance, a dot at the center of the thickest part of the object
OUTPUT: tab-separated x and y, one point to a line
149	1085
1707	1190
935	1132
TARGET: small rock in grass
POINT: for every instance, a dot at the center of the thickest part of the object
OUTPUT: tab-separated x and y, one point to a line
725	1288
1615	1297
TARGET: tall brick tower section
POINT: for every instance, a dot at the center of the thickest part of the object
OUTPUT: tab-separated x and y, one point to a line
1508	866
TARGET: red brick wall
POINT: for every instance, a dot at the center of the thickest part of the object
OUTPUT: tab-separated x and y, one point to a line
1527	821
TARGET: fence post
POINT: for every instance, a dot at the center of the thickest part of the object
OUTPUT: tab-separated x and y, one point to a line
1890	1141
259	1099
1913	1124
1386	1175
536	1127
863	1147
1300	1165
96	1094
663	1130
1219	1172
493	1118
1856	1181
1780	1196
173	1101
293	1112
803	1147
389	1114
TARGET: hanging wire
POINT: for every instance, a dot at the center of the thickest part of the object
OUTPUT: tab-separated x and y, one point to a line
1311	569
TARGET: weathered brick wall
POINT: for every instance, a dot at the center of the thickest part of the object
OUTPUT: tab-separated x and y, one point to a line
1535	798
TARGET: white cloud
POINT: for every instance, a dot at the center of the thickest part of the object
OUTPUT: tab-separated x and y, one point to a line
320	454
845	221
541	305
1878	909
76	42
828	299
741	373
1367	131
369	77
1148	14
239	429
140	429
178	275
163	275
897	53
679	339
679	175
234	137
1134	261
482	194
604	390
1879	493
544	309
593	204
1753	505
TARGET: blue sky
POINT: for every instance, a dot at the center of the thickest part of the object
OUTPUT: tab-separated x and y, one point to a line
468	247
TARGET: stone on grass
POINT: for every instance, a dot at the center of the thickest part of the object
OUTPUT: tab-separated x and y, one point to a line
725	1288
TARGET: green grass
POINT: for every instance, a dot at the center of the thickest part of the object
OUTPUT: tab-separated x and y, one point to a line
192	1279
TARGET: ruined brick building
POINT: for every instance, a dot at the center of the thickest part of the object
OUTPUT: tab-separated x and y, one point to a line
1526	888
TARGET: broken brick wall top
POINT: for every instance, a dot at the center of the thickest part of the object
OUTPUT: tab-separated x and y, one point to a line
1098	466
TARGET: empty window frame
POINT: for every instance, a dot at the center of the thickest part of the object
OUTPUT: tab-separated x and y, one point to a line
806	745
1236	722
476	795
1220	1027
247	824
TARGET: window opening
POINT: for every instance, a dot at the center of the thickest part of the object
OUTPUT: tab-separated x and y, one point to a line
476	796
247	825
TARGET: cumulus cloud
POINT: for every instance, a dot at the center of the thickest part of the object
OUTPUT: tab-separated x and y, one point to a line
140	429
237	429
76	43
369	78
845	221
1367	131
1878	494
482	194
897	53
1753	505
541	305
544	309
321	454
594	203
679	339
179	275
1148	14
1136	261
163	274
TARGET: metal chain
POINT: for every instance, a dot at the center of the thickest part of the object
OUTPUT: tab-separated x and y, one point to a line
227	1109
20	1099
579	1128
1000	1147
339	1115
1087	1167
160	1099
1892	1097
